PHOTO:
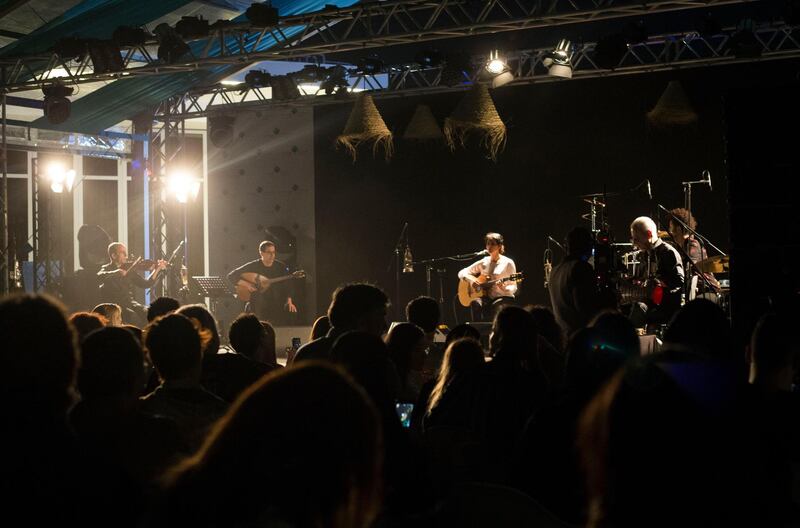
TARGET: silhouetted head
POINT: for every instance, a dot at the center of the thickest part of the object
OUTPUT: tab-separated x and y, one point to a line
359	307
423	312
200	313
175	347
112	366
162	306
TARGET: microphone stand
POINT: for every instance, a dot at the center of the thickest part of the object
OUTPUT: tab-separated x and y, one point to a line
428	263
397	268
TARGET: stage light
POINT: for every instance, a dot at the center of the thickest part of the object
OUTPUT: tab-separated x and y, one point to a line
106	56
59	178
428	58
284	88
257	79
129	36
371	65
192	27
56	104
171	46
336	83
558	61
262	15
69	48
498	70
220	130
182	186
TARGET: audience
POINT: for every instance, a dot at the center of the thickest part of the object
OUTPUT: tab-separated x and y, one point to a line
85	323
463	355
112	312
175	345
250	338
162	306
320	328
407	344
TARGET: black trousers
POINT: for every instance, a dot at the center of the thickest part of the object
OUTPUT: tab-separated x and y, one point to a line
485	308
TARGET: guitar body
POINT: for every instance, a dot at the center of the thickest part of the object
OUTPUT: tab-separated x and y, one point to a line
250	282
469	292
650	291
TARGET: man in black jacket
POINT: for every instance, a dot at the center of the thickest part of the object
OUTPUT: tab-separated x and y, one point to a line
116	281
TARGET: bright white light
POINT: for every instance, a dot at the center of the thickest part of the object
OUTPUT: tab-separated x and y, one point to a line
57	177
496	65
57	187
231	82
70	179
55	73
183	186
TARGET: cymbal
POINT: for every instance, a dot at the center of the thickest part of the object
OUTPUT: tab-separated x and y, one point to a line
718	264
594	201
599	195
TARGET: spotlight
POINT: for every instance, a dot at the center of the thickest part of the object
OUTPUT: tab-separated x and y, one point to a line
311	73
190	27
183	186
262	15
171	46
336	81
106	56
257	79
129	36
371	65
558	62
220	130
609	51
498	70
56	104
60	178
284	88
68	48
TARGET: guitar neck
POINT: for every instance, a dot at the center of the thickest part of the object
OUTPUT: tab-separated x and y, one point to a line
280	279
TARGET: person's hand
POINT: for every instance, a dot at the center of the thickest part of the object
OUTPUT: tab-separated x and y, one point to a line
291	307
162	264
121	272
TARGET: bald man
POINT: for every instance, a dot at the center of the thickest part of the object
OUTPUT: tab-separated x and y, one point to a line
661	263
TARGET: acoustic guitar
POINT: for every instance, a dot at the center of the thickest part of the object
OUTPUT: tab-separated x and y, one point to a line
250	283
469	291
649	291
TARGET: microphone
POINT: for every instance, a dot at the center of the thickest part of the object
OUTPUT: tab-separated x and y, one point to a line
649	190
548	266
408	261
707	179
480	253
556	242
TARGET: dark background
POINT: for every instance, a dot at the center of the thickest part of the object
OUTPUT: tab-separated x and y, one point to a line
564	139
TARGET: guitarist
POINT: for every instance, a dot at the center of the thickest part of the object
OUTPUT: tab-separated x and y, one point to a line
270	304
493	267
661	263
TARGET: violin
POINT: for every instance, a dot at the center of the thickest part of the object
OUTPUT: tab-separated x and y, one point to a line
139	264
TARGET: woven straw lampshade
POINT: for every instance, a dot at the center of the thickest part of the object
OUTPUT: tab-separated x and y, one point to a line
673	108
476	114
365	125
423	126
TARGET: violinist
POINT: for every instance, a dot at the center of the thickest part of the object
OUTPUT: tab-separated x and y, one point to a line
118	276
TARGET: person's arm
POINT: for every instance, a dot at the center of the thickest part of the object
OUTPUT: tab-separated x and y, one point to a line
670	270
471	272
584	292
510	287
233	276
104	274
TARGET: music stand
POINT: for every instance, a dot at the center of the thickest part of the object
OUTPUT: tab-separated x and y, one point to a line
214	288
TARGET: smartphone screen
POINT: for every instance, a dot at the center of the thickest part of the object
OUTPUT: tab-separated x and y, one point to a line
295	343
404	411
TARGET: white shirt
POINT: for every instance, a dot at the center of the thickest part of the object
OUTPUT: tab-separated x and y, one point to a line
504	267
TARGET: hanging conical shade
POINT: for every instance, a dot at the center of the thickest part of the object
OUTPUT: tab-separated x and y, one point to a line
476	114
365	125
673	108
423	126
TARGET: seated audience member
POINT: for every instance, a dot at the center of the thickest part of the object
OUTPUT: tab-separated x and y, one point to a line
226	375
424	312
406	343
112	312
107	419
162	306
462	355
617	333
653	458
270	350
701	328
135	330
359	307
462	330
46	478
551	347
249	337
264	464
320	328
175	348
85	323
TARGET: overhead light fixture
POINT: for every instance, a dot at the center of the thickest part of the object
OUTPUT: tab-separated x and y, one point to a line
69	48
171	46
371	65
428	58
257	79
498	70
220	130
106	56
183	186
129	36
558	62
284	88
192	27
60	178
336	82
262	15
56	104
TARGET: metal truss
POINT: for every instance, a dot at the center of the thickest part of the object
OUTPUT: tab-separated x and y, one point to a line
659	53
367	25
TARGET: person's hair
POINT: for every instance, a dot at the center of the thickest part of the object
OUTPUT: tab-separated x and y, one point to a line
548	326
684	216
174	346
200	313
112	365
262	247
320	328
579	241
462	330
110	311
515	337
702	326
113	247
162	306
616	332
496	237
366	358
773	344
462	355
245	334
643	224
335	483
353	301
135	330
86	322
423	312
591	361
401	341
38	355
270	356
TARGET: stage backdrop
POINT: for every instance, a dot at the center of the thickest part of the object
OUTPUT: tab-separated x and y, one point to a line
261	186
565	139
